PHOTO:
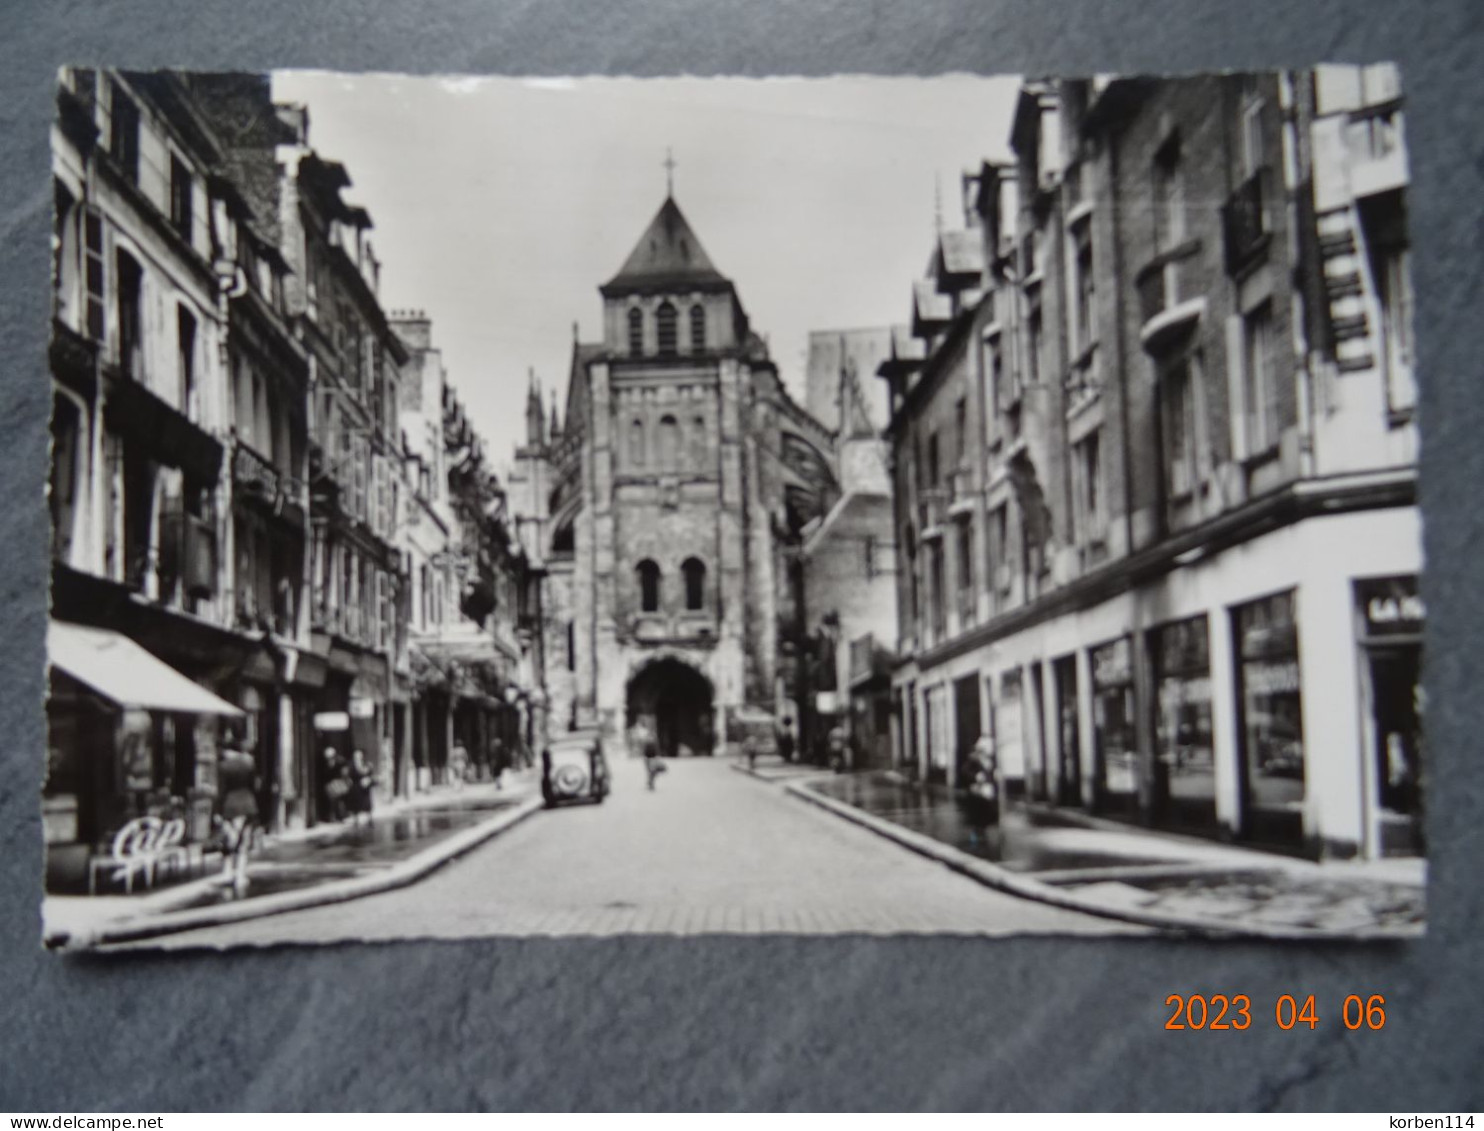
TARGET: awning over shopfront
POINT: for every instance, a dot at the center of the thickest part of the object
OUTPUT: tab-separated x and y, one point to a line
120	670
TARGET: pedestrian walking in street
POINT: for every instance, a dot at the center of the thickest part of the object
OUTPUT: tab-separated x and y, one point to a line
239	782
458	765
337	784
786	743
361	782
838	747
649	749
497	761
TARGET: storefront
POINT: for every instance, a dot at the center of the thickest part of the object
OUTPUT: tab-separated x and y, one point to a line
1183	793
1114	737
1270	757
1068	789
1389	615
128	736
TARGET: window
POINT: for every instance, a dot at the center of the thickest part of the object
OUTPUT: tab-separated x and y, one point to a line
571	646
698	445
669	443
932	457
1169	197
636	332
180	197
63	489
123	136
965	564
997	551
1260	384
935	589
1179	430
636	443
960	432
1394	279
130	325
186	342
870	562
698	329
695	584
1084	309
649	586
95	275
1251	127
665	325
1086	487
1035	337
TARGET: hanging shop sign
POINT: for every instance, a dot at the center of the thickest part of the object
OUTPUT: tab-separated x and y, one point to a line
332	721
1390	606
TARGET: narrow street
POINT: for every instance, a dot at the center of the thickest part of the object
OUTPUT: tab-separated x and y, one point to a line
711	850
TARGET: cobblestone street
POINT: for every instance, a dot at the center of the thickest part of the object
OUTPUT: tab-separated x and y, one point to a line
710	850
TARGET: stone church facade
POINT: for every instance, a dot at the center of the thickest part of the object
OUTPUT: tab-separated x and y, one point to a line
664	503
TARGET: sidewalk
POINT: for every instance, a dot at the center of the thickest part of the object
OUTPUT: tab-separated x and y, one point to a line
1158	879
406	839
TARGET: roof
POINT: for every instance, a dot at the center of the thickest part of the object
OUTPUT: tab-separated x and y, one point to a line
928	306
667	256
963	253
122	671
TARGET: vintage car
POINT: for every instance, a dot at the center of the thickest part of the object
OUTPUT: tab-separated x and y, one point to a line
573	768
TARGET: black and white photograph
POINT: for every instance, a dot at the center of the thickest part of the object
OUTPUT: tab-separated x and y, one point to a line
589	507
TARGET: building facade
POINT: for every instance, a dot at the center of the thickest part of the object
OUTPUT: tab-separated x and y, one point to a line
1172	571
662	502
263	492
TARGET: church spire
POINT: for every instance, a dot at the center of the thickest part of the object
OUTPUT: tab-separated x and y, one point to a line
669	173
535	421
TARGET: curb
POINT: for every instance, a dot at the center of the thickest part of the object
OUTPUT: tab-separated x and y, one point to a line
336	891
992	875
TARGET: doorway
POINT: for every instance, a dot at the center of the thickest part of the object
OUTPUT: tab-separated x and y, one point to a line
1396	746
676	702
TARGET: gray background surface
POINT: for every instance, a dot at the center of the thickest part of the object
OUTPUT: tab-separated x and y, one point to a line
774	1022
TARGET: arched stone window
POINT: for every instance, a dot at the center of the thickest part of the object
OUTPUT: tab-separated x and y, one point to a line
669	443
636	332
698	329
667	330
648	576
695	584
636	443
698	442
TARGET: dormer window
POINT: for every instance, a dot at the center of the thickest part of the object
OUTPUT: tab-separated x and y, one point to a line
665	322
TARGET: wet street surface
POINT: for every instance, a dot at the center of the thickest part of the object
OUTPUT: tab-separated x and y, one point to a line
1021	843
709	851
386	840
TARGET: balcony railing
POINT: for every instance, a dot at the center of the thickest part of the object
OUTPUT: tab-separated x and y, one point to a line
1244	220
1168	296
932	506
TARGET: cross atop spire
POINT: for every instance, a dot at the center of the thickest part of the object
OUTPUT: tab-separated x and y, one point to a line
669	164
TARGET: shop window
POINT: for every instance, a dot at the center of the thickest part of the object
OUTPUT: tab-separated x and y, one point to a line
1185	760
695	584
648	576
1115	743
1271	732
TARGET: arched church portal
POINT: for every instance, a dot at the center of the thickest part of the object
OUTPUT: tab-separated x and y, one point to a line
677	703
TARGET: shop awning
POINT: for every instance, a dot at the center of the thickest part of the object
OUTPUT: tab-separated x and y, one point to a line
120	670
